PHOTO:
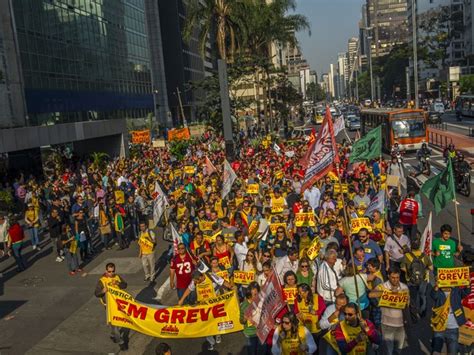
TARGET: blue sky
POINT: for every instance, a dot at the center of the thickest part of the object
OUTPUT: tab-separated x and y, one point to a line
333	22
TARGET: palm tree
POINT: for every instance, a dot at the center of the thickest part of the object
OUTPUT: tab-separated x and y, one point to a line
223	16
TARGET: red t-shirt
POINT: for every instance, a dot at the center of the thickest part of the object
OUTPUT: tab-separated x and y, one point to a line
468	301
184	268
408	211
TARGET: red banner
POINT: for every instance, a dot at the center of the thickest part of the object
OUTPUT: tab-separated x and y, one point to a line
263	311
323	153
178	134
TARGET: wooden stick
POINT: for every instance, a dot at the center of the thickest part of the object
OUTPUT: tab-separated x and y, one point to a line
346	222
457	219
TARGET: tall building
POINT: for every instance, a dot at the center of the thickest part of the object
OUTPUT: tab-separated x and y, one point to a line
183	61
342	75
85	68
388	22
332	80
469	36
352	55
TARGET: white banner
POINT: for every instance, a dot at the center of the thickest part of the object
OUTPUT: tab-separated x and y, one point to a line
377	204
338	125
229	178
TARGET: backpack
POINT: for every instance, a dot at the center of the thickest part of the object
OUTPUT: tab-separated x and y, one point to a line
416	269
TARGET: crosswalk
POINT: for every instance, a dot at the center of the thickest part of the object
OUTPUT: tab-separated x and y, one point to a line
411	165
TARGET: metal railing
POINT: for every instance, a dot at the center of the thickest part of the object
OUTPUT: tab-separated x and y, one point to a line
439	140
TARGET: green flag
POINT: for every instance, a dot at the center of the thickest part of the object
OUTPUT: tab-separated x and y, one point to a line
440	188
368	147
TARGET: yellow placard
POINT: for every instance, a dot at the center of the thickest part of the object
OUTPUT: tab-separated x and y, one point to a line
216	316
159	143
391	299
313	250
177	173
205	225
243	277
453	277
224	274
119	197
305	219
278	207
339	187
178	134
211	238
289	294
358	223
275	226
189	169
252	189
253	228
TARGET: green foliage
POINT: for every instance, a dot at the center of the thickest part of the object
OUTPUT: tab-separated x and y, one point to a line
6	200
99	160
315	92
285	96
466	83
178	148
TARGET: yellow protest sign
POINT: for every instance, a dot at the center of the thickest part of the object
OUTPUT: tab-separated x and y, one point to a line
253	228
189	169
139	137
205	225
358	223
177	173
341	187
217	316
305	219
211	238
252	189
277	206
224	274
289	294
391	299
279	175
119	197
275	226
244	277
453	277
313	250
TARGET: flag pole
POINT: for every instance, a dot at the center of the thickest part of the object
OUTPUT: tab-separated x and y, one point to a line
458	226
346	222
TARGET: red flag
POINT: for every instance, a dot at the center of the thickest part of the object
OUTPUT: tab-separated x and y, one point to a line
264	309
210	168
312	137
323	153
305	159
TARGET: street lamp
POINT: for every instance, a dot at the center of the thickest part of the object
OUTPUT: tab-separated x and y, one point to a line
415	50
372	88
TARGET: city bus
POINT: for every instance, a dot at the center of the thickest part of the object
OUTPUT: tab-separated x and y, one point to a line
407	127
465	104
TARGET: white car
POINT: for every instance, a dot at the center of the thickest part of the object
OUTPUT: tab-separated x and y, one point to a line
437	107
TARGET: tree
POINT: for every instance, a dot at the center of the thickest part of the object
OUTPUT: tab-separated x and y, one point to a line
225	15
466	83
315	92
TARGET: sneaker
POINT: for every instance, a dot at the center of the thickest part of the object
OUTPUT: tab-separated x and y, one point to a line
218	339
59	259
211	347
34	247
72	273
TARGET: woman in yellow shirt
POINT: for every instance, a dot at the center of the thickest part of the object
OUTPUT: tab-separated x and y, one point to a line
32	224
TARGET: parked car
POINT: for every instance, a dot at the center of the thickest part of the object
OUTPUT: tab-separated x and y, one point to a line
354	124
438	107
349	118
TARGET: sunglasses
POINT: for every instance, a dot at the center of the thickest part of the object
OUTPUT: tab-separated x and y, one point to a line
286	322
110	272
280	232
349	314
266	255
304	266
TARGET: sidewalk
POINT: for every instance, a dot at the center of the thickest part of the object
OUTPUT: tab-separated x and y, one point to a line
442	139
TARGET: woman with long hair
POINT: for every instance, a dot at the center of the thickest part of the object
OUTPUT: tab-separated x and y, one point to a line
309	307
224	253
292	338
305	274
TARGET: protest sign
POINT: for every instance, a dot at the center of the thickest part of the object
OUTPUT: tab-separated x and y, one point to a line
252	189
305	219
289	294
178	134
393	299
314	248
453	277
243	277
217	316
139	137
275	226
159	143
358	223
189	169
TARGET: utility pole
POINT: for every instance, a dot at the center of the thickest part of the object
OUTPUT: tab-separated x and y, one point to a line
415	50
225	105
372	88
185	124
407	74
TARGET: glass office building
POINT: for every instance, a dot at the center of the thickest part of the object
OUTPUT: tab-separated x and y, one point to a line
83	60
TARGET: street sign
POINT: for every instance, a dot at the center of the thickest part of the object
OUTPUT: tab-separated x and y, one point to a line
454	73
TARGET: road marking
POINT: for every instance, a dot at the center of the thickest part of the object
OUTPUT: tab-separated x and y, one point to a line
163	288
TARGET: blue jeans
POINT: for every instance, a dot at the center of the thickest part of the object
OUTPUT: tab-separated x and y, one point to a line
254	347
450	336
71	259
16	248
34	237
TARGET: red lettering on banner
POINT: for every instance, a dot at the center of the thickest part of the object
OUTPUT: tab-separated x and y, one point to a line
121	304
219	311
162	316
177	316
137	312
204	313
192	315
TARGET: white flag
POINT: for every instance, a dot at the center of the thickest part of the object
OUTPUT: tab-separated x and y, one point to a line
277	149
377	204
427	238
176	239
229	178
338	125
209	168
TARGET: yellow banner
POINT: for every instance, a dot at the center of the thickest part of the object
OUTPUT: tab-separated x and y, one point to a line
219	315
393	299
205	225
275	226
278	207
305	220
211	238
189	169
243	277
178	134
119	197
252	189
253	228
358	223
279	174
289	294
314	248
337	188
453	277
224	274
